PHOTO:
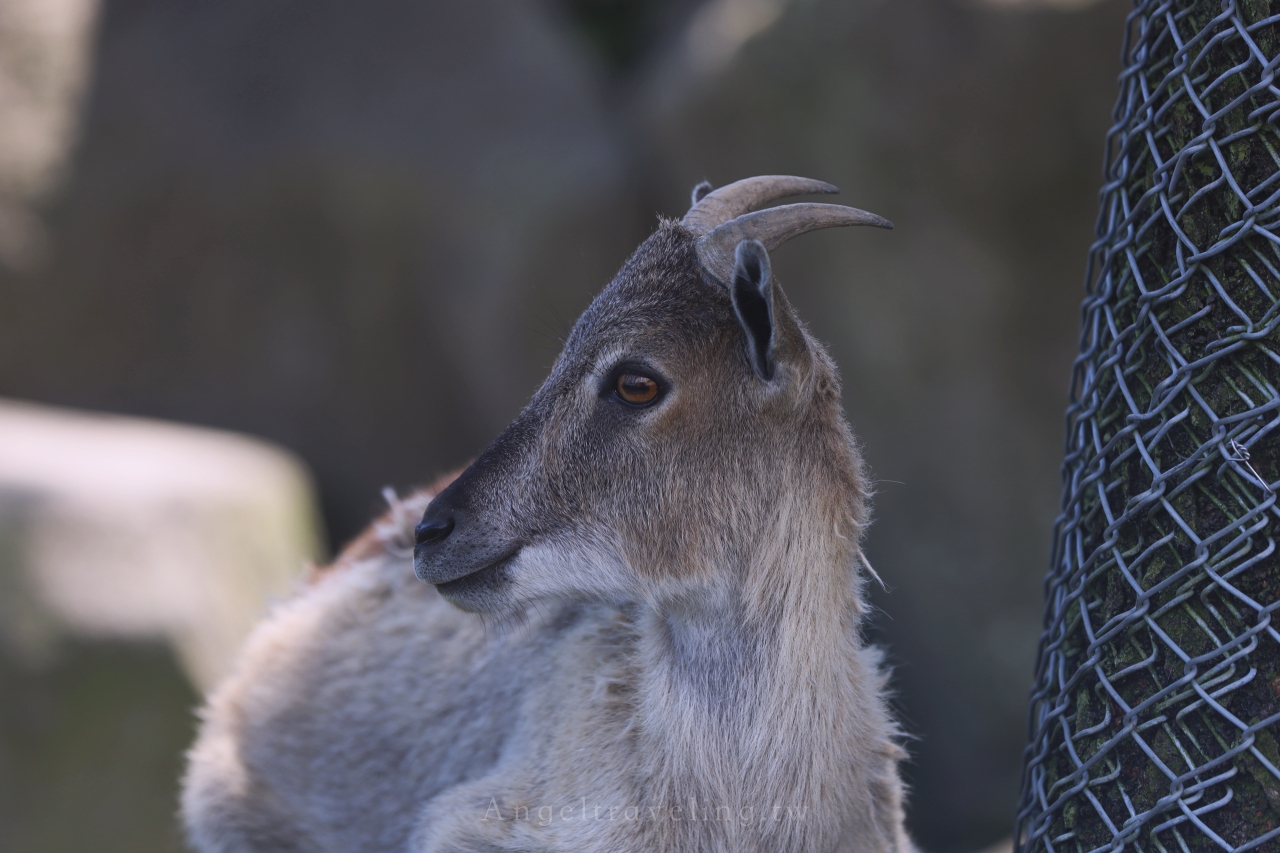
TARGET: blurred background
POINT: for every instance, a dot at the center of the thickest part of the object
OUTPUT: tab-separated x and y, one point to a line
261	258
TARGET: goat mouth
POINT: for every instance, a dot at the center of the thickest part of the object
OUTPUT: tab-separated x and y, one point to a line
483	581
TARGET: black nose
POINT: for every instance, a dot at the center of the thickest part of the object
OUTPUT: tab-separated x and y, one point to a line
433	529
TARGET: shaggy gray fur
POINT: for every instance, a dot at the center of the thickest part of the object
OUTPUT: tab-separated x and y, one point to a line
666	655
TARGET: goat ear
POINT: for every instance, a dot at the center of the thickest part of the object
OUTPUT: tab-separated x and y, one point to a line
700	192
752	294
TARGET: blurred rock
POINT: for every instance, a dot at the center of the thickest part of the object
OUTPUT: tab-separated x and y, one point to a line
124	529
979	132
91	748
45	61
358	230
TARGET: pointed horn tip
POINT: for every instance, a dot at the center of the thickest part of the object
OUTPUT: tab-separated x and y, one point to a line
859	216
875	220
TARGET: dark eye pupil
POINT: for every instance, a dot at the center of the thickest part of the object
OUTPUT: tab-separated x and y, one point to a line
636	389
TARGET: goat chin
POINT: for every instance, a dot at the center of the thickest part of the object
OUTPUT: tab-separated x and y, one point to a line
661	563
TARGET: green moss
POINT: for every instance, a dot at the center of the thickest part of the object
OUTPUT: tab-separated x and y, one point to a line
1266	744
90	751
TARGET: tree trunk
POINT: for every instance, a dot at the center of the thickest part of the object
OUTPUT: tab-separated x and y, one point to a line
1156	711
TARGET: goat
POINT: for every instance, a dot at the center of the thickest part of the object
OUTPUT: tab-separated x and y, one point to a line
669	535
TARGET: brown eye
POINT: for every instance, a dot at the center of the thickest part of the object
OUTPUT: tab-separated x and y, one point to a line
636	389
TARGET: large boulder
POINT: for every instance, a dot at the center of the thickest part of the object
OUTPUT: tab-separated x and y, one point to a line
353	229
129	529
134	558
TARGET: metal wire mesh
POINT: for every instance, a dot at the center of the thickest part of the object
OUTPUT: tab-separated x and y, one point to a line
1156	711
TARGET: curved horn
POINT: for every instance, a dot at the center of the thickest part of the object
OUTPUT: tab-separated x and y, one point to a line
717	207
773	227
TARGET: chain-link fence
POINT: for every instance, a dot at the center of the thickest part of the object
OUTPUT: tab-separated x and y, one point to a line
1155	718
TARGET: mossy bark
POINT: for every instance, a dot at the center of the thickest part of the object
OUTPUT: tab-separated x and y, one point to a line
1158	659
